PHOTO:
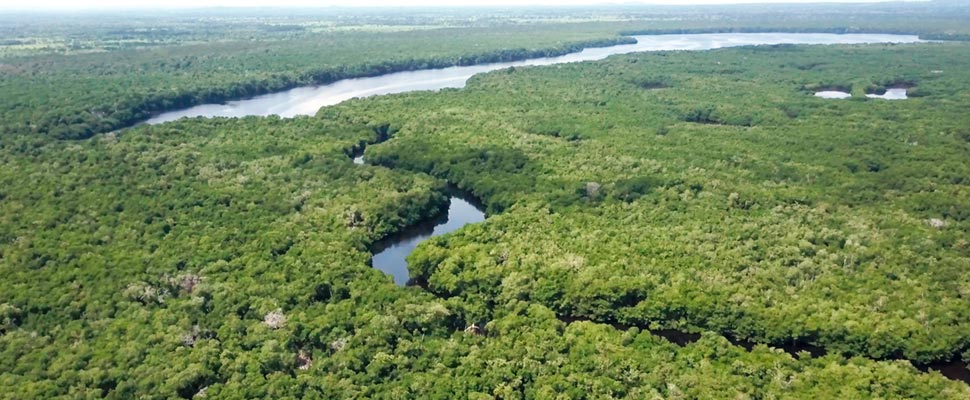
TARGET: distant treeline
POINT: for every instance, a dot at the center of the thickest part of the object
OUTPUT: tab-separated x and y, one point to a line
836	30
703	192
84	120
680	189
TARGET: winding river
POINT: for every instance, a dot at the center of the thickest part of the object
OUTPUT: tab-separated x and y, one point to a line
390	253
307	100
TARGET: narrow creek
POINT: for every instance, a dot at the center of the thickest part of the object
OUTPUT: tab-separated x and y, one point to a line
390	253
956	370
390	256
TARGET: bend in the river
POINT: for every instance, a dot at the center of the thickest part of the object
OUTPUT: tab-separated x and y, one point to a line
308	100
390	256
390	253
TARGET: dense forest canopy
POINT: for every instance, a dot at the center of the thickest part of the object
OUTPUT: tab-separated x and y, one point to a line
73	76
713	190
704	193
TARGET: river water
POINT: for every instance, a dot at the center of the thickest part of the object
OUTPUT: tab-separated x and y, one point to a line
891	94
390	253
832	94
307	100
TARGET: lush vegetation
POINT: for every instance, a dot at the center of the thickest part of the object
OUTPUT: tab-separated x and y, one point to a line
76	96
701	192
711	191
228	258
72	76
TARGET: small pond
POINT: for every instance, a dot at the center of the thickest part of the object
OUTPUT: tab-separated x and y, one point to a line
891	94
832	94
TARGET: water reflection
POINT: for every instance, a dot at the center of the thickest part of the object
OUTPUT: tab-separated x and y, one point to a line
891	94
390	253
832	94
307	100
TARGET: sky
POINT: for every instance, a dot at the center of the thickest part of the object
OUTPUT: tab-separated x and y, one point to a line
128	4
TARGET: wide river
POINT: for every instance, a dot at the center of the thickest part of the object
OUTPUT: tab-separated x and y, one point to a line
307	100
390	253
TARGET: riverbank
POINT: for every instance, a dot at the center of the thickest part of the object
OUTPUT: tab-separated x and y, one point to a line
307	100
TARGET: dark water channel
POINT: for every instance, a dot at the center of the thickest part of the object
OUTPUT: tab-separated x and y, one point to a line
390	256
956	370
390	253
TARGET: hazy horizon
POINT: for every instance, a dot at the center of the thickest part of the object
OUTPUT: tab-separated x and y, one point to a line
54	5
